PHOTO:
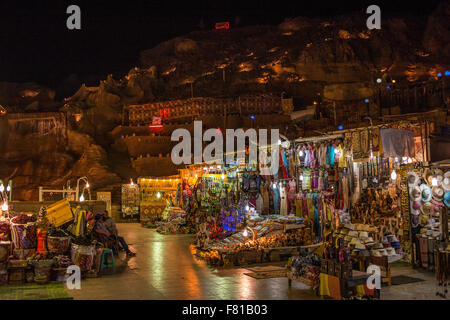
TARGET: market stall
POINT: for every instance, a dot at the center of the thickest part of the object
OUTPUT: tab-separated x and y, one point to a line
40	246
155	194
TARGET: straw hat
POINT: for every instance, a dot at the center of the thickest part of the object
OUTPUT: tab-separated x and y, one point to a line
360	246
378	246
446	181
376	253
382	252
363	234
426	208
353	233
369	241
427	176
447	198
438	193
390	251
412	178
415	193
426	192
439	175
344	232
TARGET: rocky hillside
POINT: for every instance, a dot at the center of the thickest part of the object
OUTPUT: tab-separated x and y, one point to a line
302	57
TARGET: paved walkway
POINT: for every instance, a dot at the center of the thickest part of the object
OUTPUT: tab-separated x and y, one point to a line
164	268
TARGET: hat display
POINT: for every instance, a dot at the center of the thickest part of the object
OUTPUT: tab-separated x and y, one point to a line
369	241
353	233
427	176
446	181
383	252
390	251
376	253
378	246
348	238
438	193
447	198
415	193
426	192
416	205
412	178
360	246
363	234
439	175
426	208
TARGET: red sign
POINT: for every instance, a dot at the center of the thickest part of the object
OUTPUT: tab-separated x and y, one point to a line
222	25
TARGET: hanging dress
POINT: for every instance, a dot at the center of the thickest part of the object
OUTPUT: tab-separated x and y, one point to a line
266	201
276	200
283	199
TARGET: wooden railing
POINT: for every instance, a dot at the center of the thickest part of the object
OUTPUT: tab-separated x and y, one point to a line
135	115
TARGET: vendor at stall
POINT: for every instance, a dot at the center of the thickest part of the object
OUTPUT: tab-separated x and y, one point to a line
110	225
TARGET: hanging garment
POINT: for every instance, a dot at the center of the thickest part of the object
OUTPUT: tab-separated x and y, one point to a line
322	156
285	163
283	167
307	152
252	200
330	155
313	158
291	195
259	204
276	201
306	183
283	201
343	157
299	205
292	164
397	143
305	205
266	201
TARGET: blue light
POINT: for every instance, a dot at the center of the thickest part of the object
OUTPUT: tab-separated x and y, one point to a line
447	72
388	87
439	74
341	127
252	117
366	101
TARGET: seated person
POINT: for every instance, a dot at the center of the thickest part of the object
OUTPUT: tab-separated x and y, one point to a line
100	230
110	225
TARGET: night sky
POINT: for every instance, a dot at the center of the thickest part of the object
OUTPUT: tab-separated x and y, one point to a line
35	44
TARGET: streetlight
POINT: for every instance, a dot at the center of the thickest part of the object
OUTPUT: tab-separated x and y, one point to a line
85	180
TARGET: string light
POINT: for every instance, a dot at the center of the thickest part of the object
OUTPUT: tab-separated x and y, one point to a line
158	195
393	175
87	184
8	188
2	188
434	182
82	198
378	80
301	177
4	206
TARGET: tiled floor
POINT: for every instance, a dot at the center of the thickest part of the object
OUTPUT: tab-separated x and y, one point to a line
164	268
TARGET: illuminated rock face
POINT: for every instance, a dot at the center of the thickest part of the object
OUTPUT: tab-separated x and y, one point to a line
335	59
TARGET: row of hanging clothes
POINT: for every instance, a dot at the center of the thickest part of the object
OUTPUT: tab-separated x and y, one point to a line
323	154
